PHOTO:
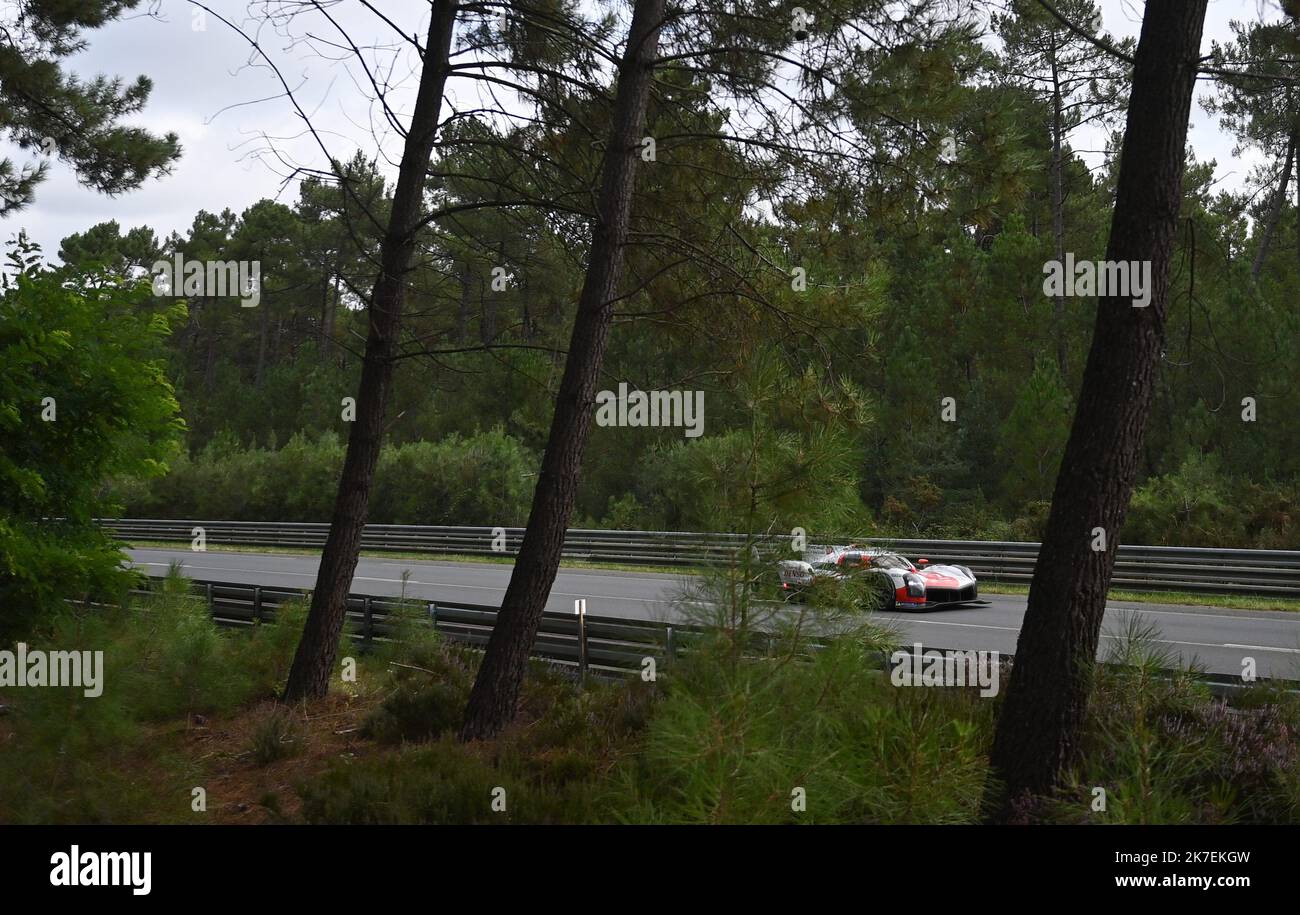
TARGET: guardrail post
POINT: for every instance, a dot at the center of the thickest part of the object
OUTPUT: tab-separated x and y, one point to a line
433	614
209	590
582	647
671	644
257	604
580	608
369	623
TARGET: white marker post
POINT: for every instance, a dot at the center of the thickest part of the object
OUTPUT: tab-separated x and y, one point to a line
580	608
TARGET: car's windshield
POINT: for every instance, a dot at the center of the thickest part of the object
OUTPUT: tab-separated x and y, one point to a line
820	556
890	561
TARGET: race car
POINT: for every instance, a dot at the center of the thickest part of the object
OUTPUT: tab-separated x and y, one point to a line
901	584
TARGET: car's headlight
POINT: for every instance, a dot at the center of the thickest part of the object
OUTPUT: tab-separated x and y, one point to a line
967	572
915	586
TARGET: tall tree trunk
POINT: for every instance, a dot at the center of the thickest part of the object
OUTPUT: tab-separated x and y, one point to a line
1039	725
493	700
1275	212
327	306
487	313
529	323
462	311
263	333
1058	211
314	661
335	301
1295	145
210	357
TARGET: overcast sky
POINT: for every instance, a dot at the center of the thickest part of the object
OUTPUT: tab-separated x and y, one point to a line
206	91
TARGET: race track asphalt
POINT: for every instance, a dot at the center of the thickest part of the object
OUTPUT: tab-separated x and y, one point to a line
1216	638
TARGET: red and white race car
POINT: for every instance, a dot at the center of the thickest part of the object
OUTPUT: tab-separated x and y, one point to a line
901	584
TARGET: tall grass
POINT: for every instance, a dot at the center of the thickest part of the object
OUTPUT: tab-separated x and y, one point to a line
1165	750
70	758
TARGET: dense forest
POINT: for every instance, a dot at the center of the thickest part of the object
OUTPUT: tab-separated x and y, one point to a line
941	268
909	278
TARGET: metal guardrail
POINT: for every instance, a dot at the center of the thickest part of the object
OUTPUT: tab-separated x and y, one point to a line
598	644
608	646
1203	570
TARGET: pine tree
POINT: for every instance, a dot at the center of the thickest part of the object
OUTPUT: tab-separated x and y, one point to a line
1262	114
1042	717
54	113
1078	82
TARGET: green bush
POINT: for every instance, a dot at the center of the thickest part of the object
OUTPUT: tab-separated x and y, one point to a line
732	741
480	479
82	397
432	681
1201	505
1190	507
484	479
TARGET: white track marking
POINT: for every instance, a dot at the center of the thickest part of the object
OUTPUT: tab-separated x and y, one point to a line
1262	647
